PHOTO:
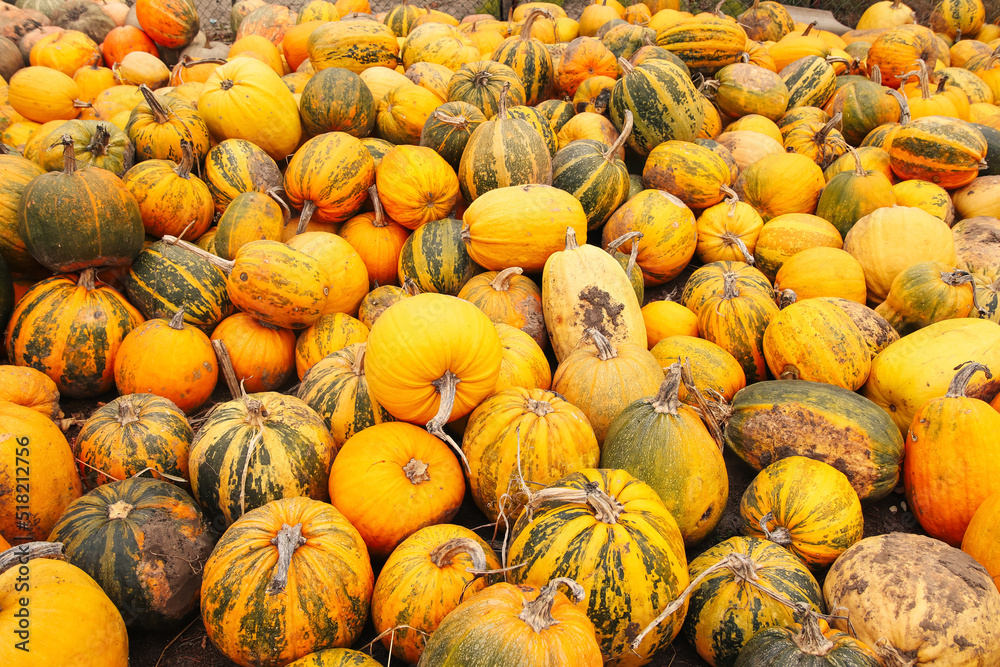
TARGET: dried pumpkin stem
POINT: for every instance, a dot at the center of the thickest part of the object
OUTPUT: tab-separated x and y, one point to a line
960	382
729	239
501	282
456	121
779	535
187	160
69	155
904	105
88	279
21	553
502	108
633	254
226	265
785	298
100	142
605	350
875	74
667	400
612	153
308	208
255	418
708	414
539	408
177	321
119	510
288	539
810	638
358	367
538	612
226	363
416	471
535	14
890	655
606	508
446	386
379	220
444	554
286	212
571	243
160	114
126	411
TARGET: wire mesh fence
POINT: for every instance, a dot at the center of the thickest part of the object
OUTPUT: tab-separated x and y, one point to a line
215	14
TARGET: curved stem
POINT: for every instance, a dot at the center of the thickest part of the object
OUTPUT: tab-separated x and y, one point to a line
605	350
101	140
446	386
538	613
810	638
828	128
626	66
667	399
87	279
226	265
731	238
612	152
904	105
502	109
286	213
69	155
875	73
456	121
187	160
444	554
960	382
20	554
155	107
177	321
288	539
379	220
606	508
634	253
779	535
358	366
501	282
890	655
226	364
308	208
532	16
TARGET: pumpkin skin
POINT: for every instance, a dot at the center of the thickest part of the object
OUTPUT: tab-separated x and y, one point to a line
169	23
878	333
692	173
780	418
531	433
709	281
171	200
436	258
849	196
36	503
324	602
622	522
705	43
353	45
977	247
666	442
941	150
449	128
43	94
329	334
416	185
336	100
981	540
528	57
725	600
816	341
822	272
400	378
712	368
508	297
263	355
925	293
949	456
481	84
237	165
165	277
118	534
815	512
343	273
72	330
17	173
403	112
423	580
31	388
251	216
582	58
336	657
883	566
329	177
105	230
810	643
133	434
62	635
779	184
395	465
592	172
159	126
95	144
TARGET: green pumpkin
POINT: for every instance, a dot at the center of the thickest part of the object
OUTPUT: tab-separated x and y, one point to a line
851	195
624	40
95	143
595	175
775	419
992	136
165	277
435	258
805	645
864	105
528	57
145	542
558	112
811	82
337	100
537	120
449	128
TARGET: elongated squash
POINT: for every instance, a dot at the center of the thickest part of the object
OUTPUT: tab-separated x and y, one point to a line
583	286
780	418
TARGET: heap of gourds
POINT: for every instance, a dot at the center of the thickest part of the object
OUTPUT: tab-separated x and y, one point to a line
562	264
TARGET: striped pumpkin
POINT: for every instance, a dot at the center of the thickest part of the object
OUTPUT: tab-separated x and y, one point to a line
171	200
510	298
277	284
327	335
806	506
945	151
70	328
558	112
482	83
611	531
344	275
528	57
17	173
328	178
741	89
132	434
723	600
811	82
251	216
336	388
503	152
664	103
127	535
353	45
435	257
336	657
259	611
440	44
236	165
780	418
692	173
402	17
337	100
712	368
705	43
159	126
256	449
709	281
539	122
448	129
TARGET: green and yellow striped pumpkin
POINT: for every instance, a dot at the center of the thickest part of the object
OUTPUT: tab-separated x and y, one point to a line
328	178
709	280
448	129
692	173
400	18
775	419
942	150
436	259
260	612
537	120
481	84
811	82
130	536
337	100
329	333
256	449
353	45
503	152
664	103
610	532
728	608
336	657
705	43
336	388
236	165
17	173
558	112
528	57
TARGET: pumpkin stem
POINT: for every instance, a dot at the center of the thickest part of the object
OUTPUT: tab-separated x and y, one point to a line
226	265
446	386
88	279
605	350
539	408
444	554
729	288
358	367
571	243
69	155
538	612
20	554
626	66
502	110
379	220
308	208
226	363
667	399
828	128
904	105
126	411
875	74
634	254
526	28
416	471
288	539
612	152
779	535
177	321
890	655
187	160
286	212
160	114
922	78
460	122
712	413
785	298
731	239
501	282
960	382
7	150
805	33
810	638
119	510
606	508
100	142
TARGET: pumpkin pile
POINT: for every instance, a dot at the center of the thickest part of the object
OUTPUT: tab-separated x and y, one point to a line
573	268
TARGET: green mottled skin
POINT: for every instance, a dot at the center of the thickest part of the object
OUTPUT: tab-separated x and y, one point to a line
533	64
449	139
503	152
537	120
466	86
334	172
775	647
435	257
353	46
704	45
601	185
864	105
133	557
811	81
336	657
737	324
337	100
625	40
558	112
165	277
707	281
236	165
942	150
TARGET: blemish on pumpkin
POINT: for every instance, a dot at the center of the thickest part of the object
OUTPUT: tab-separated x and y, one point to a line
599	310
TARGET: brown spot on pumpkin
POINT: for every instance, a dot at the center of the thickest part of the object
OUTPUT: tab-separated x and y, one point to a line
600	310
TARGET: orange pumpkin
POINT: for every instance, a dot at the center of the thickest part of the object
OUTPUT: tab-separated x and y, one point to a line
328	178
982	537
522	363
378	240
509	297
169	23
262	355
416	185
345	277
327	335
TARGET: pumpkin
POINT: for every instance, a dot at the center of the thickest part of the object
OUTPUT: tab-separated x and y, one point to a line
336	657
692	173
850	196
95	143
664	319
864	106
739	578
66	51
418	472
336	100
73	331
109	534
273	565
262	355
163	278
329	177
530	59
449	128
403	111
522	362
583	58
377	239
812	642
822	272
886	14
496	224
423	580
63	635
236	165
883	566
780	418
658	433
877	333
270	21
981	197
811	81
895	50
976	246
31	388
958	17
508	297
804	505
106	225
327	335
43	94
482	83
742	89
432	76
169	23
416	185
40	493
123	40
709	281
873	242
625	545
17	173
250	216
705	43
712	368
435	257
780	184
980	540
171	200
353	45
816	341
343	273
766	21
131	435
941	150
925	293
